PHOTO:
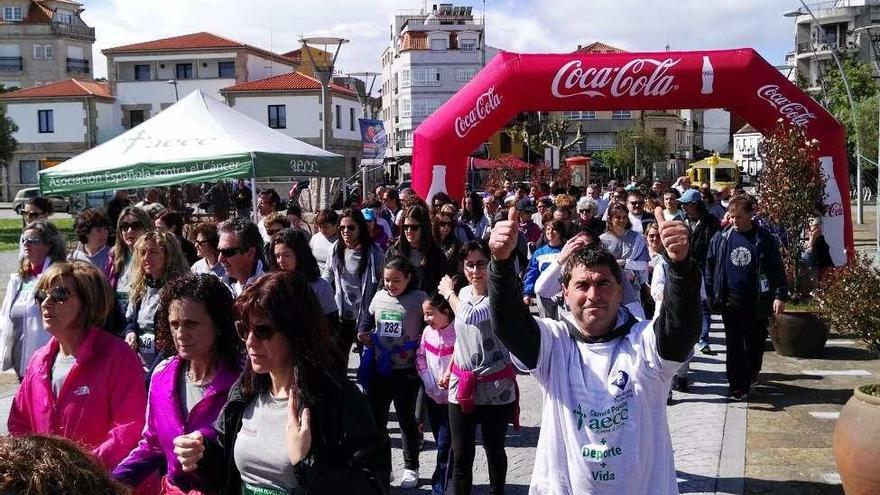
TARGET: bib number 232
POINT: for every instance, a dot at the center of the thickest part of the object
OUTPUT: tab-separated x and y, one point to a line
390	324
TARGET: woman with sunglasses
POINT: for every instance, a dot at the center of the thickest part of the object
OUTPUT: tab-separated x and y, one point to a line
293	423
157	259
22	331
133	223
194	323
85	384
482	383
354	270
207	239
291	253
418	246
449	243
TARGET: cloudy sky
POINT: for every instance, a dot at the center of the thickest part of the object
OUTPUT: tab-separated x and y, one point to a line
533	26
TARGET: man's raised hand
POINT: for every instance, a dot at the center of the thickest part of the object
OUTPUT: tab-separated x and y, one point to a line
673	235
504	236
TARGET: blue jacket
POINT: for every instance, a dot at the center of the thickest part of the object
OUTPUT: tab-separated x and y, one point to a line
541	259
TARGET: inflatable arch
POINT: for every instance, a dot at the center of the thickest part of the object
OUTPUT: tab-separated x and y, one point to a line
739	80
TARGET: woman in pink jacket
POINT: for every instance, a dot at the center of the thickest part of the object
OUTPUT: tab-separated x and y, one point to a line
85	384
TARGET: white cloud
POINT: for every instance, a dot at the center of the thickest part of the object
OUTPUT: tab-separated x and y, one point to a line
514	25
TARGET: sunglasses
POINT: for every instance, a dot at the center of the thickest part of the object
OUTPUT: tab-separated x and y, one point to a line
29	241
31	214
231	251
414	227
586	211
445	224
472	267
348	228
637	203
200	243
131	226
261	332
273	232
57	294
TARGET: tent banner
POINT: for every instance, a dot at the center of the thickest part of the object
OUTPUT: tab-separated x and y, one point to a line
147	175
373	138
283	165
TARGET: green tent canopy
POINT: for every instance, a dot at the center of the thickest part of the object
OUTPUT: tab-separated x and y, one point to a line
198	139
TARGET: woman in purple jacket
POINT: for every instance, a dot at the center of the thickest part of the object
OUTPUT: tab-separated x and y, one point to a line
194	322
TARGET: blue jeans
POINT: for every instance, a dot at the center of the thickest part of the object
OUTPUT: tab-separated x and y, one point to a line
438	416
707	321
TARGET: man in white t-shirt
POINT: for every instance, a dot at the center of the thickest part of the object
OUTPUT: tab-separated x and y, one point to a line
604	375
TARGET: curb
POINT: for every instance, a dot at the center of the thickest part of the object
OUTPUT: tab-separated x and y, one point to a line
732	464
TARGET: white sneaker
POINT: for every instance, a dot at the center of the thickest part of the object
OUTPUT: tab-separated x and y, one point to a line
410	479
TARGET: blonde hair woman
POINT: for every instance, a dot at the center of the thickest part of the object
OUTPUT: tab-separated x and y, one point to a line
133	222
157	259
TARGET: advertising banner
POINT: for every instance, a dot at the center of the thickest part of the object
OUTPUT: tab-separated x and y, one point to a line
373	138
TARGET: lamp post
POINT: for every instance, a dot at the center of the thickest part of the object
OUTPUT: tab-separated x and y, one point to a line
173	82
324	72
852	107
636	154
875	44
364	99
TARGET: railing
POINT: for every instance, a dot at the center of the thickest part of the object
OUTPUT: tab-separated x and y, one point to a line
849	43
837	4
78	65
74	30
10	64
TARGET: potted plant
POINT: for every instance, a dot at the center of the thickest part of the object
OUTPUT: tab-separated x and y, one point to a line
847	300
791	191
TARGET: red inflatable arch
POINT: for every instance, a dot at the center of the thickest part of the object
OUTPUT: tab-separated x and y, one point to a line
739	80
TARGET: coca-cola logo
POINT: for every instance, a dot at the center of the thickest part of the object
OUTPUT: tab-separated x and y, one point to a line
485	105
640	76
835	209
796	113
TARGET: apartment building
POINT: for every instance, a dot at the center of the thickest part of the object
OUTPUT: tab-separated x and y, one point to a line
431	55
55	122
832	29
291	103
149	76
745	153
43	41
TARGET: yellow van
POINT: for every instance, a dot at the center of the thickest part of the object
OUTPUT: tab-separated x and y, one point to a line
717	171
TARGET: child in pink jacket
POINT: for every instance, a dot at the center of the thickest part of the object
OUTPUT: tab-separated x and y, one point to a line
433	361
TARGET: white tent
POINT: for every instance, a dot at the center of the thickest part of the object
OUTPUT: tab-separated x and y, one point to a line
198	139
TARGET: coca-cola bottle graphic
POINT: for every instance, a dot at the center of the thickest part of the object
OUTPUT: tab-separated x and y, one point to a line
708	76
438	183
833	221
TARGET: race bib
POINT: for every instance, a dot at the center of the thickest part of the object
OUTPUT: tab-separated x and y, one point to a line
390	324
147	342
248	489
765	284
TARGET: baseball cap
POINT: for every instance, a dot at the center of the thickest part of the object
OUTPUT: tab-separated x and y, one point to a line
525	205
369	214
690	196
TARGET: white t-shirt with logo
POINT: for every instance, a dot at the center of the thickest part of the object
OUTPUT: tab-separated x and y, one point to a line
603	426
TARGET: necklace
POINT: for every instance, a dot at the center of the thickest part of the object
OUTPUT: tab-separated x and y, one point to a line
191	377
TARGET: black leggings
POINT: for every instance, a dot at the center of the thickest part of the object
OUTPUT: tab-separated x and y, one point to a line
401	387
493	421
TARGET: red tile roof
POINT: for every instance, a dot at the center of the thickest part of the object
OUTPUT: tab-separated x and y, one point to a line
60	89
292	81
598	47
38	13
189	42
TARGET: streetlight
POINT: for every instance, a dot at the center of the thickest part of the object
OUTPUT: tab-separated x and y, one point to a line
324	72
173	82
852	105
371	77
636	154
875	44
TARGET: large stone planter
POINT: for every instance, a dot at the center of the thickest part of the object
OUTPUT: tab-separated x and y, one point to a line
857	444
798	334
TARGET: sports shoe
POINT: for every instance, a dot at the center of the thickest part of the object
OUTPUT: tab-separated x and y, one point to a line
738	395
708	350
438	489
682	385
410	479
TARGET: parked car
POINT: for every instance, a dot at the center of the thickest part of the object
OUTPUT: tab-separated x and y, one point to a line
59	203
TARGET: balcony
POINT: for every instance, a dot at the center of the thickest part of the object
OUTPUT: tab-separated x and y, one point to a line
10	64
79	65
78	31
845	45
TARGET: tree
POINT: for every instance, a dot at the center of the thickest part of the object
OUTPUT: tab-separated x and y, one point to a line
866	122
543	133
651	148
862	85
7	142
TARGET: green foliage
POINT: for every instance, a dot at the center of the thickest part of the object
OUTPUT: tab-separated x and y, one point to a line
863	86
540	134
651	147
7	142
791	190
867	120
847	299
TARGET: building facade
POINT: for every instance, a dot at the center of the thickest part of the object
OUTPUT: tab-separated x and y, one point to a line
430	57
43	41
745	153
55	122
147	77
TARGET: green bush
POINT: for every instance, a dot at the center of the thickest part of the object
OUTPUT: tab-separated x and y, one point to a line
848	301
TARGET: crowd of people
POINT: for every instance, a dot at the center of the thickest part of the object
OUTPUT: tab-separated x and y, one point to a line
213	356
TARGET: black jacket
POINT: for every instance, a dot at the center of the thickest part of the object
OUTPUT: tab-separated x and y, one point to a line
769	264
433	267
349	455
700	238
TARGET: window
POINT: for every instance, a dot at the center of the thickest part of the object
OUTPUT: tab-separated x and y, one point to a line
505	142
49	52
64	16
142	72
429	76
338	116
278	116
184	71
135	118
11	13
423	108
351	119
27	171
583	115
465	75
405	108
438	44
39	50
660	132
468	45
46	121
226	70
620	114
404	78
